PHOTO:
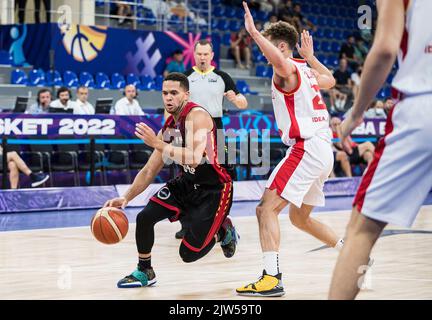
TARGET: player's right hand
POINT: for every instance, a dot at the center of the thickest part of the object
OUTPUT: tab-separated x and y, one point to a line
119	202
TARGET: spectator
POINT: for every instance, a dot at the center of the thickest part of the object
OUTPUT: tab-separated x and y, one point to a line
341	158
376	110
388	104
360	50
42	104
63	99
241	47
347	52
286	11
176	64
355	80
123	11
343	88
17	165
301	19
267	6
47	5
273	19
81	105
363	152
128	105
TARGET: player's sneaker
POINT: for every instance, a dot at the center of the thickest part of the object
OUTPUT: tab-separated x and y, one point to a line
138	279
230	240
266	286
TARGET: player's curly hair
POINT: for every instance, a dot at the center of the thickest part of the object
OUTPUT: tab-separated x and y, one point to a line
282	31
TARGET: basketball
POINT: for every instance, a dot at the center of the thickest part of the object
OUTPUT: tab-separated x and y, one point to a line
109	225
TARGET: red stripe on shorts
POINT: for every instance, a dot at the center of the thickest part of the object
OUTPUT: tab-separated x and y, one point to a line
287	169
168	206
367	178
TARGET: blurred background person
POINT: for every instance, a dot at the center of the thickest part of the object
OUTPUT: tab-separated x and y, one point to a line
81	105
43	101
128	105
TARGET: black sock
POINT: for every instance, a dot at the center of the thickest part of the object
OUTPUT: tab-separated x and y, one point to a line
144	263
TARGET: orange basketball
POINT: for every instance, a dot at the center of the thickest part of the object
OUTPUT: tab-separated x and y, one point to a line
109	225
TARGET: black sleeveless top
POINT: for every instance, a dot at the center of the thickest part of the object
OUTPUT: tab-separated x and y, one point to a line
209	172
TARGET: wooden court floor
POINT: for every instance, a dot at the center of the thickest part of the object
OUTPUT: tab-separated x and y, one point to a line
69	264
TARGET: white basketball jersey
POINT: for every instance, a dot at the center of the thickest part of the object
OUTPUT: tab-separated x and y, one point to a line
415	57
301	113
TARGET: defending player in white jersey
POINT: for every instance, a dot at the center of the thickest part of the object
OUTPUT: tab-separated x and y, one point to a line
303	123
399	178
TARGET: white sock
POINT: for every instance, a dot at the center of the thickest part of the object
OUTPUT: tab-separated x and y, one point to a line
271	262
339	244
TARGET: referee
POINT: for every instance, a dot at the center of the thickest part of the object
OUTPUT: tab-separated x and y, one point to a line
207	87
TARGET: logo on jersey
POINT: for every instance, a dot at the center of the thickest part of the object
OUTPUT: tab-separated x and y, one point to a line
187	168
164	193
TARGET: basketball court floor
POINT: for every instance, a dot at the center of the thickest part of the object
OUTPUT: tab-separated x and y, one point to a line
53	255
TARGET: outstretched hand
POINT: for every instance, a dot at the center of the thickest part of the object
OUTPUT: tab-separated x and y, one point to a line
306	49
249	21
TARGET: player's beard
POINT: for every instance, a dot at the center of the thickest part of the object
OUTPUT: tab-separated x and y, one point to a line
178	109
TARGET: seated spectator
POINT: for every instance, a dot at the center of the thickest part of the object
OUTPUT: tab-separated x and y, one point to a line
347	52
343	88
42	104
81	105
124	11
267	6
376	110
341	158
301	19
286	11
241	47
363	152
159	8
360	50
17	165
63	100
388	104
355	80
128	105
176	64
273	19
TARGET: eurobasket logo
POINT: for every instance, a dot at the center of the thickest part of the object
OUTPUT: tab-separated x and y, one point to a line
83	42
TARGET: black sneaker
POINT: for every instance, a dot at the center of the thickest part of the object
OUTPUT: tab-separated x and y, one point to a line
231	238
38	179
181	233
138	279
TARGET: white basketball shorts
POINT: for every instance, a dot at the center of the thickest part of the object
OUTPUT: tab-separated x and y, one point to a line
398	180
300	176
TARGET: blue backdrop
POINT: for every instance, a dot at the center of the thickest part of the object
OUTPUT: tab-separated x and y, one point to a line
96	48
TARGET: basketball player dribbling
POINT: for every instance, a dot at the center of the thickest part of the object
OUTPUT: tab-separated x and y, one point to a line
203	193
399	178
303	123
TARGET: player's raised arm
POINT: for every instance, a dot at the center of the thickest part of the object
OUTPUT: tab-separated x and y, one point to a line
324	76
282	67
378	64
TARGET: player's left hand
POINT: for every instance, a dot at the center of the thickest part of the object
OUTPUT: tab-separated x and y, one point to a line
306	49
347	127
249	21
146	134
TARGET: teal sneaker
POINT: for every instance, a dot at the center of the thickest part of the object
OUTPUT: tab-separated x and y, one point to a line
230	240
138	279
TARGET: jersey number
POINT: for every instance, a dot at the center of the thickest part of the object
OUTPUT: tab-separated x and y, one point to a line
318	103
